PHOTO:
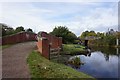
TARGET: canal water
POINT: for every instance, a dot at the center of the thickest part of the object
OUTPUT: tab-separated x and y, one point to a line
102	62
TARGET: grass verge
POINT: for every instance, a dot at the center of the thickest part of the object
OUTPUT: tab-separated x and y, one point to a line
40	67
73	48
4	46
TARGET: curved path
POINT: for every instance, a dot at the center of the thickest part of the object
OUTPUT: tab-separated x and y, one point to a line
14	60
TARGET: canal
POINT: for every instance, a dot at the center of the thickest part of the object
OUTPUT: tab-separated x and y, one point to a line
102	62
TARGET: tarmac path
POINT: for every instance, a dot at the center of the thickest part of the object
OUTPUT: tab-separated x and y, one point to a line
14	60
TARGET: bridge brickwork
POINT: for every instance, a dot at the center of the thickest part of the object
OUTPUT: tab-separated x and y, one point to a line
47	42
19	37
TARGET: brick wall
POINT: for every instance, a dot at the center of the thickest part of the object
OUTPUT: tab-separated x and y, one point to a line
19	37
39	45
47	42
55	42
43	47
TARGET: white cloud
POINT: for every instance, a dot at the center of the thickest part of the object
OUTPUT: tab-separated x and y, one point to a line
25	16
39	18
99	19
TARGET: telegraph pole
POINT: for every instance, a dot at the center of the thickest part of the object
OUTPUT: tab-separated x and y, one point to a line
117	38
117	42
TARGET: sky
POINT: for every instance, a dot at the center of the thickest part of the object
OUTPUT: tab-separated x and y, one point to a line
77	16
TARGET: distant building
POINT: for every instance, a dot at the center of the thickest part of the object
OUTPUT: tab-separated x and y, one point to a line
111	32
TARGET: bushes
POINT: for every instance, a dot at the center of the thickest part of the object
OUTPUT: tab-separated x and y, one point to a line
73	48
75	62
109	40
67	35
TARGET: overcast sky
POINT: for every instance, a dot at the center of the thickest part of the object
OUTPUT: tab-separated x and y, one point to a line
77	16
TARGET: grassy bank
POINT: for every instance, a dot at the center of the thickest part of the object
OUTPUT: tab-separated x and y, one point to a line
4	46
73	48
43	68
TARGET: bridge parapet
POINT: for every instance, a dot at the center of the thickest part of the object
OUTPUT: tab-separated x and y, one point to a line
47	42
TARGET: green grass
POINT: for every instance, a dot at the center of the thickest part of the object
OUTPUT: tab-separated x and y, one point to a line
73	48
4	46
40	67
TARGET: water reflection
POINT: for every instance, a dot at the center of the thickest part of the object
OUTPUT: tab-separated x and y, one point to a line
107	50
117	51
75	62
101	63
